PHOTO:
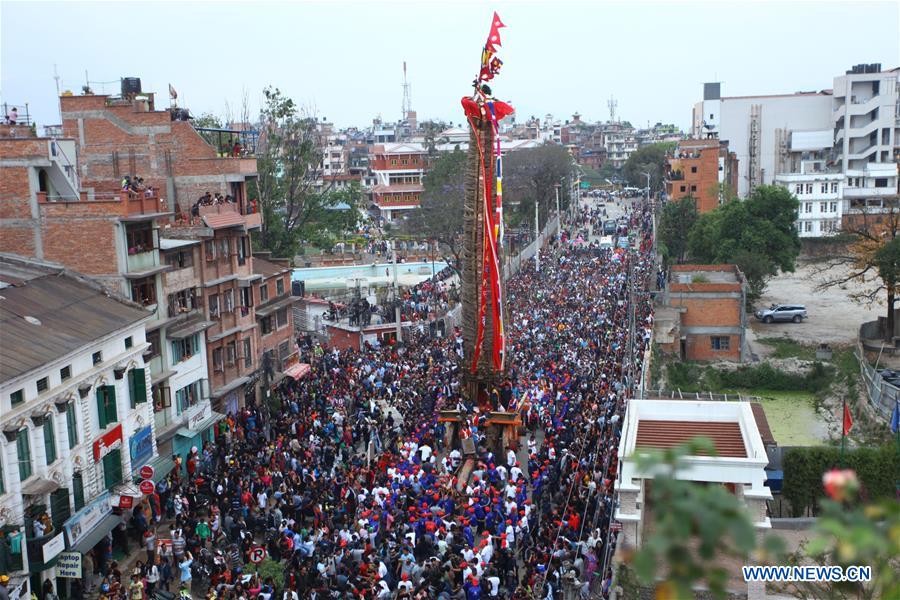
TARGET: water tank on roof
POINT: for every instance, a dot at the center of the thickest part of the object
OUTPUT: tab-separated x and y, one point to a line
131	86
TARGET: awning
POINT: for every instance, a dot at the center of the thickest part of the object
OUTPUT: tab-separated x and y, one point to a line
103	527
265	311
161	376
148	272
298	371
202	426
188	328
233	385
39	486
162	466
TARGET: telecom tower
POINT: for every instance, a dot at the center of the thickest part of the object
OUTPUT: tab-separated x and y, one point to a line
407	101
612	103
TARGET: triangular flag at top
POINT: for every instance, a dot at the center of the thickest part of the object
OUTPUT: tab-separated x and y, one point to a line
848	420
494	36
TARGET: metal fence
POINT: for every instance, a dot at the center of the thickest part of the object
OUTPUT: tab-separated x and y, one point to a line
680	395
882	395
515	262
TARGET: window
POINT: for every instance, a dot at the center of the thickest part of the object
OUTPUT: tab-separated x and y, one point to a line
143	291
140	237
180	260
209	249
683	188
809	188
106	405
217	360
42	384
284	349
71	425
137	386
693	188
224	248
65	373
246	300
23	453
242	250
834	187
693	169
265	325
807	207
129	342
720	343
248	354
264	292
281	318
394	161
97	358
162	397
799	190
187	397
228	301
214	306
185	348
230	353
153	340
112	469
823	207
823	188
78	490
807	226
279	286
183	301
49	441
881	182
833	207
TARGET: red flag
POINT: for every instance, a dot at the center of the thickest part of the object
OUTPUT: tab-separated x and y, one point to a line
494	36
848	420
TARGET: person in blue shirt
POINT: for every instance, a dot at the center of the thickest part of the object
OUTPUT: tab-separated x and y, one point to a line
185	567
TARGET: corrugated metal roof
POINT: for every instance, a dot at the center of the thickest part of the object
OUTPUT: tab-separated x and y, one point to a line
72	314
726	436
223	220
762	423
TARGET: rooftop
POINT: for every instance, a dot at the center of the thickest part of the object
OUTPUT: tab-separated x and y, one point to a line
705	278
47	312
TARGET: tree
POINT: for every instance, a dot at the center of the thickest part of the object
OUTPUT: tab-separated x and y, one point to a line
440	216
431	131
870	259
532	175
757	234
647	159
292	198
677	219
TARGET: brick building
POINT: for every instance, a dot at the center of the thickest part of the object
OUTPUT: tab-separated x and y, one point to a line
701	169
398	170
703	315
62	202
275	319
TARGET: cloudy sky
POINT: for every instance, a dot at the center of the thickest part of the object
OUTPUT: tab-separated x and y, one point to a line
344	60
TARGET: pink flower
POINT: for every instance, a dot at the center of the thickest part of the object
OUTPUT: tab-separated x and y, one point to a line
840	484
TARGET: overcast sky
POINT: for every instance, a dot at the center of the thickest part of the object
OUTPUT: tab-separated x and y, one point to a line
344	60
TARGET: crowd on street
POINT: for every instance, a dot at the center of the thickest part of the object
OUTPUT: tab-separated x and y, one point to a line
350	485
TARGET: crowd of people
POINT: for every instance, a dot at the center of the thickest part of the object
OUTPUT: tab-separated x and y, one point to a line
350	483
135	186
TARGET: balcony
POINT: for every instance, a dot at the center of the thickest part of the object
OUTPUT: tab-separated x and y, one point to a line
128	206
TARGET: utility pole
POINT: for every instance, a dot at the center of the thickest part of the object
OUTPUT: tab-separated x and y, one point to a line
557	199
396	294
537	240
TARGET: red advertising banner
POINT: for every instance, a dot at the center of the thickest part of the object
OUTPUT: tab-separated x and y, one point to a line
110	440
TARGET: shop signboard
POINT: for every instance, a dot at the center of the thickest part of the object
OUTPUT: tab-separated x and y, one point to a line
69	565
54	547
141	445
84	521
199	414
108	442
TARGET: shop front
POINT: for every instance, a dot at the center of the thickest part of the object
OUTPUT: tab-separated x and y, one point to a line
198	428
88	530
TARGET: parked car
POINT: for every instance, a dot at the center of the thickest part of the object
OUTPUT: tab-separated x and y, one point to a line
610	227
782	312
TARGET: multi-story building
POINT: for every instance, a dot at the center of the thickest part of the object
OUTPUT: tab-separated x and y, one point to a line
703	169
866	120
398	170
619	141
80	217
75	412
275	317
820	195
756	127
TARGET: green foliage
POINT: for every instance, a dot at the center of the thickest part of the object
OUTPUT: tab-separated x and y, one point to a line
532	175
699	279
691	377
293	205
440	216
607	171
647	159
757	234
788	348
678	217
269	568
877	468
887	261
694	526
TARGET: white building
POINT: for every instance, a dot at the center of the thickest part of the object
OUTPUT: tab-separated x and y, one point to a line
75	409
866	120
738	465
757	128
821	201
